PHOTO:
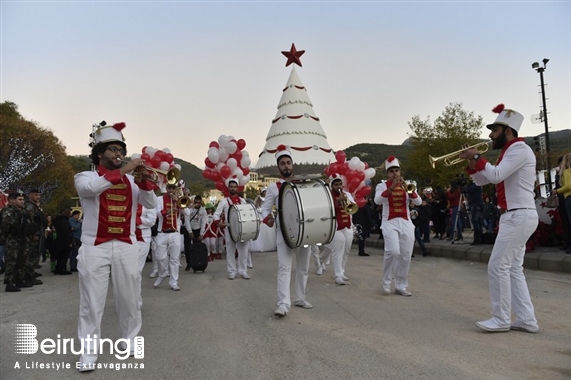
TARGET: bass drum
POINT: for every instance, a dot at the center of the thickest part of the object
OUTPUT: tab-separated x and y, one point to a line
243	222
306	213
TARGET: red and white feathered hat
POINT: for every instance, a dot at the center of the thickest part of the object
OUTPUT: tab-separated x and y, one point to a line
507	117
110	133
283	151
335	177
391	162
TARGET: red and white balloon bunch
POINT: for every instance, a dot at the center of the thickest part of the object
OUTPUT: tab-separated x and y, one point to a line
159	159
227	159
354	173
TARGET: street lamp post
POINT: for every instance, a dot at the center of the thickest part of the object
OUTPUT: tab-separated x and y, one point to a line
540	70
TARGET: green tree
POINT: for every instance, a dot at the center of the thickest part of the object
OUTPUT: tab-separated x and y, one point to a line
447	134
32	156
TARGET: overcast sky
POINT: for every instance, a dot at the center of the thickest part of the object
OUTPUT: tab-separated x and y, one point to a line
182	73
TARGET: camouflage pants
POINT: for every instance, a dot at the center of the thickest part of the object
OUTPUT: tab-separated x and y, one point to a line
15	258
33	249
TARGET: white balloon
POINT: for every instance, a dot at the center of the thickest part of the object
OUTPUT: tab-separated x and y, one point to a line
230	137
166	150
232	163
244	180
135	155
219	165
222	155
361	166
213	155
164	166
370	173
222	140
245	153
245	162
231	147
354	163
237	172
151	152
178	166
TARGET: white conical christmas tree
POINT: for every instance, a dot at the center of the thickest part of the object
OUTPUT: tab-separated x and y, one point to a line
297	127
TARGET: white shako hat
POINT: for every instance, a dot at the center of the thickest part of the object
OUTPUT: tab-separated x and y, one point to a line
231	179
391	162
283	151
507	117
110	133
335	177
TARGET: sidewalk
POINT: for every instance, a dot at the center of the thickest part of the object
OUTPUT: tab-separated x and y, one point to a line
549	259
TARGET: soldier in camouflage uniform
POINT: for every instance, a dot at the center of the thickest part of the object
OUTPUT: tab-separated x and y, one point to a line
36	229
13	227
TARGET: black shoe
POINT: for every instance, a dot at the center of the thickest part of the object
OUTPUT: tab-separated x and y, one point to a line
364	254
11	287
38	266
73	270
424	254
38	274
64	273
24	284
412	255
187	268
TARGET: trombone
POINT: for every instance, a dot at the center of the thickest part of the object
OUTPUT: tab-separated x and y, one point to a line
454	157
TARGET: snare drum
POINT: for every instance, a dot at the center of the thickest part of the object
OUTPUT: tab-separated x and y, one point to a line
243	222
306	213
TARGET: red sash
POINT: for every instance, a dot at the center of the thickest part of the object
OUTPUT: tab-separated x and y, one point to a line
500	187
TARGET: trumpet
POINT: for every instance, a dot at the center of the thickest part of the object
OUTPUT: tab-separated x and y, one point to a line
183	200
350	208
453	158
146	172
410	186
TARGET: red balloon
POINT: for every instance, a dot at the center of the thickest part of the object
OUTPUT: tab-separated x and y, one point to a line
169	158
238	156
333	168
225	171
361	202
209	163
353	184
207	173
215	176
240	188
160	154
344	169
366	190
144	150
220	186
145	157
246	171
360	175
350	174
366	165
156	162
214	144
241	143
340	156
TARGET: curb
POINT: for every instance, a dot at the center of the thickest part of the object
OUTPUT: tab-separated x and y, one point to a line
543	258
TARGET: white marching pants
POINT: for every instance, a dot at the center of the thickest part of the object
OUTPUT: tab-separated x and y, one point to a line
210	245
398	234
168	255
231	248
285	262
155	267
315	254
95	264
508	288
340	248
143	253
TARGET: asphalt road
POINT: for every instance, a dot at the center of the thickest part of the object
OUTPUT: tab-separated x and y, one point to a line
215	328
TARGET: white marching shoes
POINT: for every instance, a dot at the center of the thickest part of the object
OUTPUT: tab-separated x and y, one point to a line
491	326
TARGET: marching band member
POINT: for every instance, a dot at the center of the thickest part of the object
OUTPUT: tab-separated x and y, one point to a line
210	232
168	238
109	198
514	176
231	246
398	230
343	238
146	218
285	254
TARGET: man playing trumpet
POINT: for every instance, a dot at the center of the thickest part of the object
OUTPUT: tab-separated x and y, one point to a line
109	198
514	177
397	227
343	238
